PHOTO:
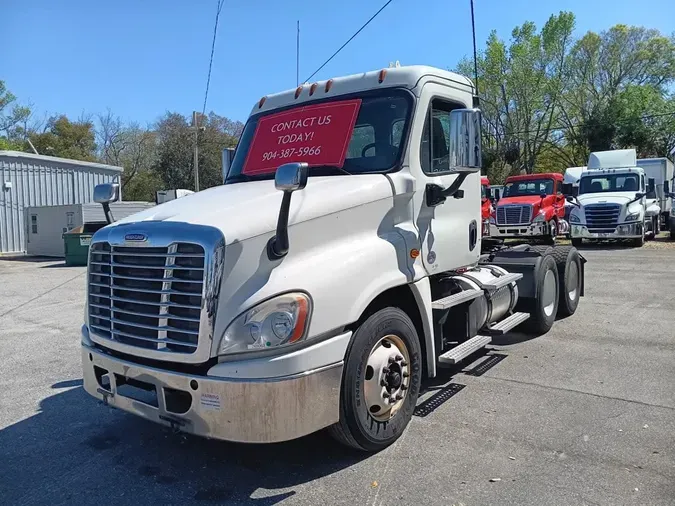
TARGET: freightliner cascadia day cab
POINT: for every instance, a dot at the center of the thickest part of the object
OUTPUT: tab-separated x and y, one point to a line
339	265
532	206
615	201
662	171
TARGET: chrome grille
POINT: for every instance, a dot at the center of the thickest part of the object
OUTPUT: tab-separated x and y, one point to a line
514	214
602	218
147	297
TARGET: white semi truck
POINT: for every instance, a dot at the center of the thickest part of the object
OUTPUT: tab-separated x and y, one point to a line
662	172
339	265
615	201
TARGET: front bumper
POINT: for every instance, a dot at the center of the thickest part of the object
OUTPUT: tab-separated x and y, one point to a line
243	410
531	230
623	231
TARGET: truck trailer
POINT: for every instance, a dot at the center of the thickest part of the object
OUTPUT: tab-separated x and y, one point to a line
325	280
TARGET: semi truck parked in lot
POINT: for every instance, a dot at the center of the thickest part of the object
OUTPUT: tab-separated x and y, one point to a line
496	190
661	171
486	204
323	281
615	201
532	206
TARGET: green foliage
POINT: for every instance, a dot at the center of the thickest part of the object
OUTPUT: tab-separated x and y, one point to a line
549	100
13	120
67	139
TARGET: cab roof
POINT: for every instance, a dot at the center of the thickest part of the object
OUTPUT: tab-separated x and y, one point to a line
401	77
529	177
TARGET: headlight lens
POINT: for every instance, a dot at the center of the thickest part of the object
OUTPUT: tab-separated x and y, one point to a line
632	217
539	217
574	218
493	222
276	322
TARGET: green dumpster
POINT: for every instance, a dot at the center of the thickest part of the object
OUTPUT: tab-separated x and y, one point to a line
76	243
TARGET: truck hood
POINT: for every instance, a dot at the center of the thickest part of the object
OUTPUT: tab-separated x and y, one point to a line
606	198
245	210
525	199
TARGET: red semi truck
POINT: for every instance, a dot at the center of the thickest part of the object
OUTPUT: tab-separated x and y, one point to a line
486	208
532	206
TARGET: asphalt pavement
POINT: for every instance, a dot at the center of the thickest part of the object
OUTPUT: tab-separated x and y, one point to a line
582	415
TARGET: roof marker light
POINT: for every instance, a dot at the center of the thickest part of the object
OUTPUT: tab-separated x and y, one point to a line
298	91
383	74
262	101
329	84
312	89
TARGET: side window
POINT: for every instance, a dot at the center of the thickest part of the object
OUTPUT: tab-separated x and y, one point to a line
397	132
33	224
435	138
362	136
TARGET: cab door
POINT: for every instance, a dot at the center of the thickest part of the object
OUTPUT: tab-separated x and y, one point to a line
449	230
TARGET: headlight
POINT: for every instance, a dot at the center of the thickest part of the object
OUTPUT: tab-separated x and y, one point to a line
539	217
574	218
275	322
493	222
632	216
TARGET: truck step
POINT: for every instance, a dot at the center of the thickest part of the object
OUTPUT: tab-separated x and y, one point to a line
465	349
503	280
507	324
454	300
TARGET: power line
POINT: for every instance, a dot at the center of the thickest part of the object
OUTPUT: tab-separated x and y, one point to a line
349	40
213	48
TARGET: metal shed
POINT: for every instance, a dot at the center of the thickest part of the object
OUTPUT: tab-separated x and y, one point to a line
28	180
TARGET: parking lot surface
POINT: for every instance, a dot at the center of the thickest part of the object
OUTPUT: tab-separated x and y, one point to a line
582	415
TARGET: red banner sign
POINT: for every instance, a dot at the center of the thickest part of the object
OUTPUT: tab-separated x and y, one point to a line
316	134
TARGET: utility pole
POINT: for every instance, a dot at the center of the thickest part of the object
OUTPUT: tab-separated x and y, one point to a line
196	162
297	57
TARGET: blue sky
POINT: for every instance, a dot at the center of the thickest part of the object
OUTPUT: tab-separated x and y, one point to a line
142	58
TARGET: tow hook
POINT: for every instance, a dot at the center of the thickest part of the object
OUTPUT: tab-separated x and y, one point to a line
105	395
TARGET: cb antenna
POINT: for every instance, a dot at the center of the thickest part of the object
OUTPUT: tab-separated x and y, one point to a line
476	100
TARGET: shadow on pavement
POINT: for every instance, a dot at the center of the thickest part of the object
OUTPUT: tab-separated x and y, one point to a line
28	259
78	451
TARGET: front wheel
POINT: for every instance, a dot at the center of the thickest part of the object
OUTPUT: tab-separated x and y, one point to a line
544	306
552	232
380	382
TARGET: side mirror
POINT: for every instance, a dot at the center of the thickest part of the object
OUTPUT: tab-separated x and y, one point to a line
488	193
666	187
227	158
573	200
542	195
104	194
288	178
567	188
464	148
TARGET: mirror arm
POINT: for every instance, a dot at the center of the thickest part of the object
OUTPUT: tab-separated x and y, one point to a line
108	213
277	246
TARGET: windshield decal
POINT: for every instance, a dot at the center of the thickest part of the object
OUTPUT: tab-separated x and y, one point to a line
316	134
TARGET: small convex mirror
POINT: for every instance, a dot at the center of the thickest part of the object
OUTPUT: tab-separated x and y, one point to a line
465	140
106	192
291	176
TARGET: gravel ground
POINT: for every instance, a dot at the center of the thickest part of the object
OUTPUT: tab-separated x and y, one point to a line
582	415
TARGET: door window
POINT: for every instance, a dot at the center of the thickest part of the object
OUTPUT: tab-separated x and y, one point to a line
33	224
434	151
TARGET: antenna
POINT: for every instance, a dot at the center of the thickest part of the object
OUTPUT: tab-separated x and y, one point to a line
297	57
475	57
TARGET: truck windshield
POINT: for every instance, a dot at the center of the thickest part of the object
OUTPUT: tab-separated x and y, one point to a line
528	187
609	183
355	134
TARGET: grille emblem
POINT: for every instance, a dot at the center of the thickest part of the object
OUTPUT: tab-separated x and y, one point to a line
136	237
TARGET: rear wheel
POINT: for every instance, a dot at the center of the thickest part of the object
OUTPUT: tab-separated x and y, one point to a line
568	261
380	382
544	306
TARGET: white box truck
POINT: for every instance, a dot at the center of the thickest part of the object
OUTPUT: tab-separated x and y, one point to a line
339	265
661	171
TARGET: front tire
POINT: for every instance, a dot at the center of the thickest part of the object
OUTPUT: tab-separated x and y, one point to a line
383	357
552	233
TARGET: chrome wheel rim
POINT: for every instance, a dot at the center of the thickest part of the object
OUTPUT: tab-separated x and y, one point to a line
549	292
387	377
573	277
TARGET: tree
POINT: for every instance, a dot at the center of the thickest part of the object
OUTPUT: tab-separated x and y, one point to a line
67	139
520	87
13	120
